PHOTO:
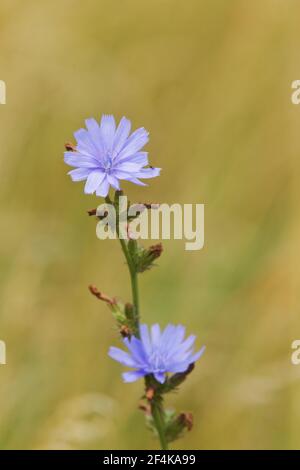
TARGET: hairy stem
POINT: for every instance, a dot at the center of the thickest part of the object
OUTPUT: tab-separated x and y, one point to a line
157	414
134	282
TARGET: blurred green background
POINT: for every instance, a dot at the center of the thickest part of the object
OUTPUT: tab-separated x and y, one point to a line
211	81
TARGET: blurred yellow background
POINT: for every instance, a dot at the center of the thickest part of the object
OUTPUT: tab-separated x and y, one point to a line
211	81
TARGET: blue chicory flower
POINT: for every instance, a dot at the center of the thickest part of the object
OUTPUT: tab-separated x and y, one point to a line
157	352
105	154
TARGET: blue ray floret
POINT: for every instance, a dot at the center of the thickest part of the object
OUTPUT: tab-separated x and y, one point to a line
106	154
157	352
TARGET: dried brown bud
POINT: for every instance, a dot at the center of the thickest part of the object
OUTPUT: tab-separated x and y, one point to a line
125	331
140	206
150	392
93	290
92	211
70	147
186	419
156	250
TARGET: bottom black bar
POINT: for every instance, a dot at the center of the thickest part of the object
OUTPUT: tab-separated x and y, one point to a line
133	459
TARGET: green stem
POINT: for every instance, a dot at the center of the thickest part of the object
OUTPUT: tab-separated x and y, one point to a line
156	406
159	424
126	254
134	282
135	295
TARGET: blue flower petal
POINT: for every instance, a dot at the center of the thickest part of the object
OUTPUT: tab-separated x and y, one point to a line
84	142
167	340
108	129
148	172
139	158
160	377
129	167
135	346
133	375
122	357
93	181
77	160
197	355
124	175
136	141
155	335
95	134
179	367
80	174
114	182
121	135
188	343
145	338
103	188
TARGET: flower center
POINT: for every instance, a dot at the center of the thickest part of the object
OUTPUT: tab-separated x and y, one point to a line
157	361
108	161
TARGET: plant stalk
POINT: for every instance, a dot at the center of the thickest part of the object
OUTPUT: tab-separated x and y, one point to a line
157	414
156	406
